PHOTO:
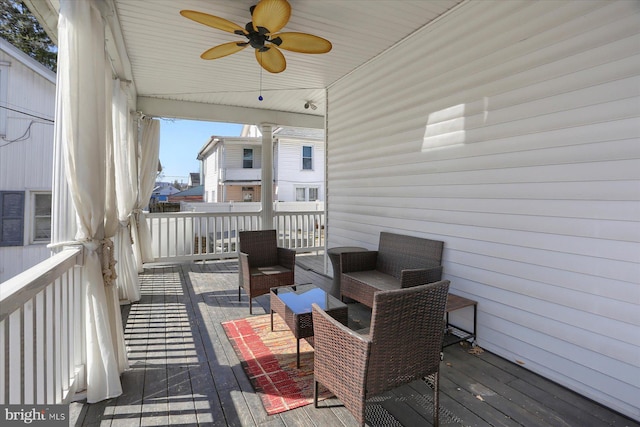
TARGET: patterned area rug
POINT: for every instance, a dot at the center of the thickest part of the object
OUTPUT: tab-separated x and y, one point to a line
269	359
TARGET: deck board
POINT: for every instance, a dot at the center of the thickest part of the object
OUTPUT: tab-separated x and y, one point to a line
185	372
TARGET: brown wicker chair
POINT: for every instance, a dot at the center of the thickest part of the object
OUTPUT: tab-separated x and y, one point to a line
263	265
403	344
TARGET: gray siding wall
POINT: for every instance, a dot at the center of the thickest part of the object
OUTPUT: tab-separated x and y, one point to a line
509	130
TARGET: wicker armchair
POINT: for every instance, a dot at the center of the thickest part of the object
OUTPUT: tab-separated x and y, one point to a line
403	344
400	262
263	265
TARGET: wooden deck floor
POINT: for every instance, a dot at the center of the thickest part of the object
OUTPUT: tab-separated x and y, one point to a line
184	371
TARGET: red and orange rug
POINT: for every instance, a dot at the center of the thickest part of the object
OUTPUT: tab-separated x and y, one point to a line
269	360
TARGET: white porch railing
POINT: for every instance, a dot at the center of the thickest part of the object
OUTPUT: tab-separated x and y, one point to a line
184	236
42	360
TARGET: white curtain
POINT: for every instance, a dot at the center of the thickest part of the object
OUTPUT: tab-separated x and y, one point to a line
148	167
81	116
111	227
126	167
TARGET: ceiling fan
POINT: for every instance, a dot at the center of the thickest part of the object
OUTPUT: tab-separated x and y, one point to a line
267	18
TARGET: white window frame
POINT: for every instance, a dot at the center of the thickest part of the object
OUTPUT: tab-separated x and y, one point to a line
306	192
317	193
302	157
252	158
32	218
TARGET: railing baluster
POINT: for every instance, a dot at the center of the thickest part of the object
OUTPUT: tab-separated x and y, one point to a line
4	361
15	356
57	315
64	328
40	348
28	340
48	327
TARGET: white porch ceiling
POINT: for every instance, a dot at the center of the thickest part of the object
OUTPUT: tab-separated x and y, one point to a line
163	54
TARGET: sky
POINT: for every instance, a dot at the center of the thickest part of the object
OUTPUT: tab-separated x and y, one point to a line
180	142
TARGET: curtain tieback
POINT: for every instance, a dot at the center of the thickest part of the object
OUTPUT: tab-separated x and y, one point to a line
108	262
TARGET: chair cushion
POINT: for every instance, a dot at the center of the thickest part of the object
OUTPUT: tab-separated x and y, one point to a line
376	279
272	269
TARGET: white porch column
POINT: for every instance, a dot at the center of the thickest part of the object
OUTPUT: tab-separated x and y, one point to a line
266	191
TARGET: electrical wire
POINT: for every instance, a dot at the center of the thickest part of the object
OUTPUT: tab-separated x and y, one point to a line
23	137
27	133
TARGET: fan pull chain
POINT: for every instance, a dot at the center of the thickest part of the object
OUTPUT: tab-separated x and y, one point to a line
260	98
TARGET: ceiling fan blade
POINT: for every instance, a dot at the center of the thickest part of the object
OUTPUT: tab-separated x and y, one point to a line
223	50
271	14
212	21
271	60
302	42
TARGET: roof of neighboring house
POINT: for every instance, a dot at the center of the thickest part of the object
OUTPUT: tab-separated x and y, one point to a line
193	191
163	188
27	60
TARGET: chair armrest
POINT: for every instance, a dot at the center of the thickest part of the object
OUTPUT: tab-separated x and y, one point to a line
340	358
420	276
287	258
329	325
358	261
243	259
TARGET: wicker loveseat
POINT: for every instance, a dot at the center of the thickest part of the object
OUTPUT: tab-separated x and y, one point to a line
400	262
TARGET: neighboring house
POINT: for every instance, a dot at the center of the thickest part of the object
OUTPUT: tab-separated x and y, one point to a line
231	166
162	191
231	169
193	194
27	103
299	164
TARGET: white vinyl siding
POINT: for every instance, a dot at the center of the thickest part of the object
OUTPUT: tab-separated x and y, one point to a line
26	145
4	97
509	130
292	178
234	156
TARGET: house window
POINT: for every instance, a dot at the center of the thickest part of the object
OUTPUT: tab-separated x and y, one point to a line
11	218
313	194
304	194
41	217
247	194
307	157
247	158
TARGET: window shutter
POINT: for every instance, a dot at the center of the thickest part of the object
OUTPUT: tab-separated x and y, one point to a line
11	218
